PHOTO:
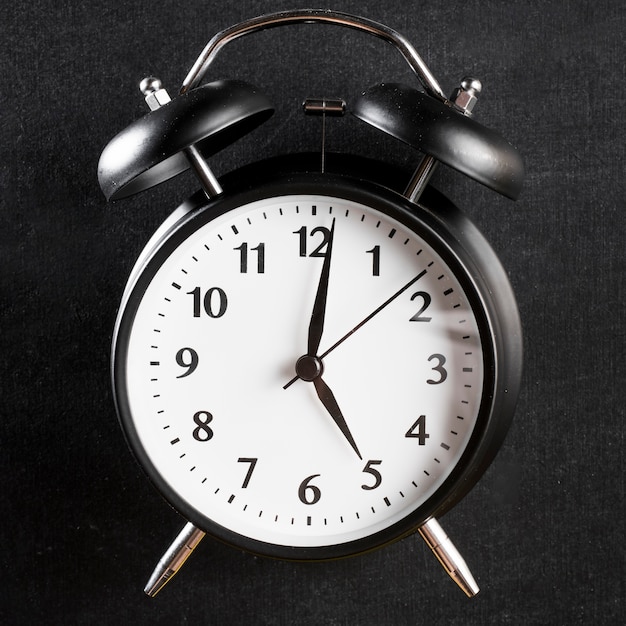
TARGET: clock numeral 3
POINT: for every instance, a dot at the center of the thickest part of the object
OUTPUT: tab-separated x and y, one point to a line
214	302
202	432
418	430
443	373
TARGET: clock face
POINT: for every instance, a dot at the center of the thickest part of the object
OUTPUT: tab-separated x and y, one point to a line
263	447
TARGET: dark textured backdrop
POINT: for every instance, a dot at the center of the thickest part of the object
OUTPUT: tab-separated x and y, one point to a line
81	528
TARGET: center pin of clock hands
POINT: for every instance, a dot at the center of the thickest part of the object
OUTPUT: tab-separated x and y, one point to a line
310	367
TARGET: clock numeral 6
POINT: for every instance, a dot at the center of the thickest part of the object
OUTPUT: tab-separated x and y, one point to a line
418	431
214	302
190	361
309	494
202	432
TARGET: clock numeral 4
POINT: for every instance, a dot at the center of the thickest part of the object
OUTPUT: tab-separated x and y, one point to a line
418	431
214	302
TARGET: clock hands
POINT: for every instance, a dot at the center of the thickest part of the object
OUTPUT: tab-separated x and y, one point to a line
310	367
362	323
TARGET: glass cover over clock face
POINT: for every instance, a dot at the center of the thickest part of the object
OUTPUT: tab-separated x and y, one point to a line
259	426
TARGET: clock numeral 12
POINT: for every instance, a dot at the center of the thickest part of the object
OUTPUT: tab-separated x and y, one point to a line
325	232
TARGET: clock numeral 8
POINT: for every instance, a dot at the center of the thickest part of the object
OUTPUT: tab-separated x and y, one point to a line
202	432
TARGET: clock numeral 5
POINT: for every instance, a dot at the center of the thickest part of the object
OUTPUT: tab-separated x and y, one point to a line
214	301
302	233
418	430
368	469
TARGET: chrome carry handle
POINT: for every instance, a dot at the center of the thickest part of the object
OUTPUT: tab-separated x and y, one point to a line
309	16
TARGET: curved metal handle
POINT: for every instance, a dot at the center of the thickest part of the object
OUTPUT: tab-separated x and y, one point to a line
308	16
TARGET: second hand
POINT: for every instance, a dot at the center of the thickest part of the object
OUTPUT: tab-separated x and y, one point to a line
364	321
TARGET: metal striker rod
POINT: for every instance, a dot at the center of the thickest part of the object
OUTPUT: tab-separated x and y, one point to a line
156	96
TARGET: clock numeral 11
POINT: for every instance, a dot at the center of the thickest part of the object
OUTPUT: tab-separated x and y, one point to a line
243	258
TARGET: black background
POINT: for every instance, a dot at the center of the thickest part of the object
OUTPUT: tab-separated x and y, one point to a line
81	528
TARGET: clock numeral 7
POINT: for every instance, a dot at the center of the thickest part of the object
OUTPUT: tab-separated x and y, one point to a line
252	462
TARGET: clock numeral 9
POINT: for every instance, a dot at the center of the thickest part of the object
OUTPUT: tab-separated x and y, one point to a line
418	431
202	432
214	302
426	299
309	494
325	232
190	363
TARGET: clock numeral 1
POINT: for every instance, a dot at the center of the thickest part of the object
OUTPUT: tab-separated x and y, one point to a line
302	232
418	430
243	258
214	302
308	493
202	432
375	252
252	462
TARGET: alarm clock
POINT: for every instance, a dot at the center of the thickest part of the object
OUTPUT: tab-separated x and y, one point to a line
314	357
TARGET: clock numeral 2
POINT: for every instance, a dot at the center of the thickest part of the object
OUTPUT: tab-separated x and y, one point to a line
418	430
243	258
425	304
214	302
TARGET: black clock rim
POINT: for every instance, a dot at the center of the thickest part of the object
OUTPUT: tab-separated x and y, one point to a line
483	279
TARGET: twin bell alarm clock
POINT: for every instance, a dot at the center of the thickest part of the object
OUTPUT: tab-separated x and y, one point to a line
312	360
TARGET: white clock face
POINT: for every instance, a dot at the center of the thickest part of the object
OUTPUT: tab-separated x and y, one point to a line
211	359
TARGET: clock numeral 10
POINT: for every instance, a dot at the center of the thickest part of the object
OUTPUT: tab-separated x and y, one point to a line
243	258
214	302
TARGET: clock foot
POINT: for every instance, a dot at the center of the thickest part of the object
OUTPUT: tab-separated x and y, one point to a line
449	556
174	558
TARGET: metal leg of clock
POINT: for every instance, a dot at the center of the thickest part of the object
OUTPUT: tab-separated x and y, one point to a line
175	557
447	554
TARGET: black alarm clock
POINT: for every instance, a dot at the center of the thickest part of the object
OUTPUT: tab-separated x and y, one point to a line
313	359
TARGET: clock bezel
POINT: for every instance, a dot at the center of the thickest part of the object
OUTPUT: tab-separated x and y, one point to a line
469	257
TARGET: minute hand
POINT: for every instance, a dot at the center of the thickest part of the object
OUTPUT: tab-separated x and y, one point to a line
365	320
